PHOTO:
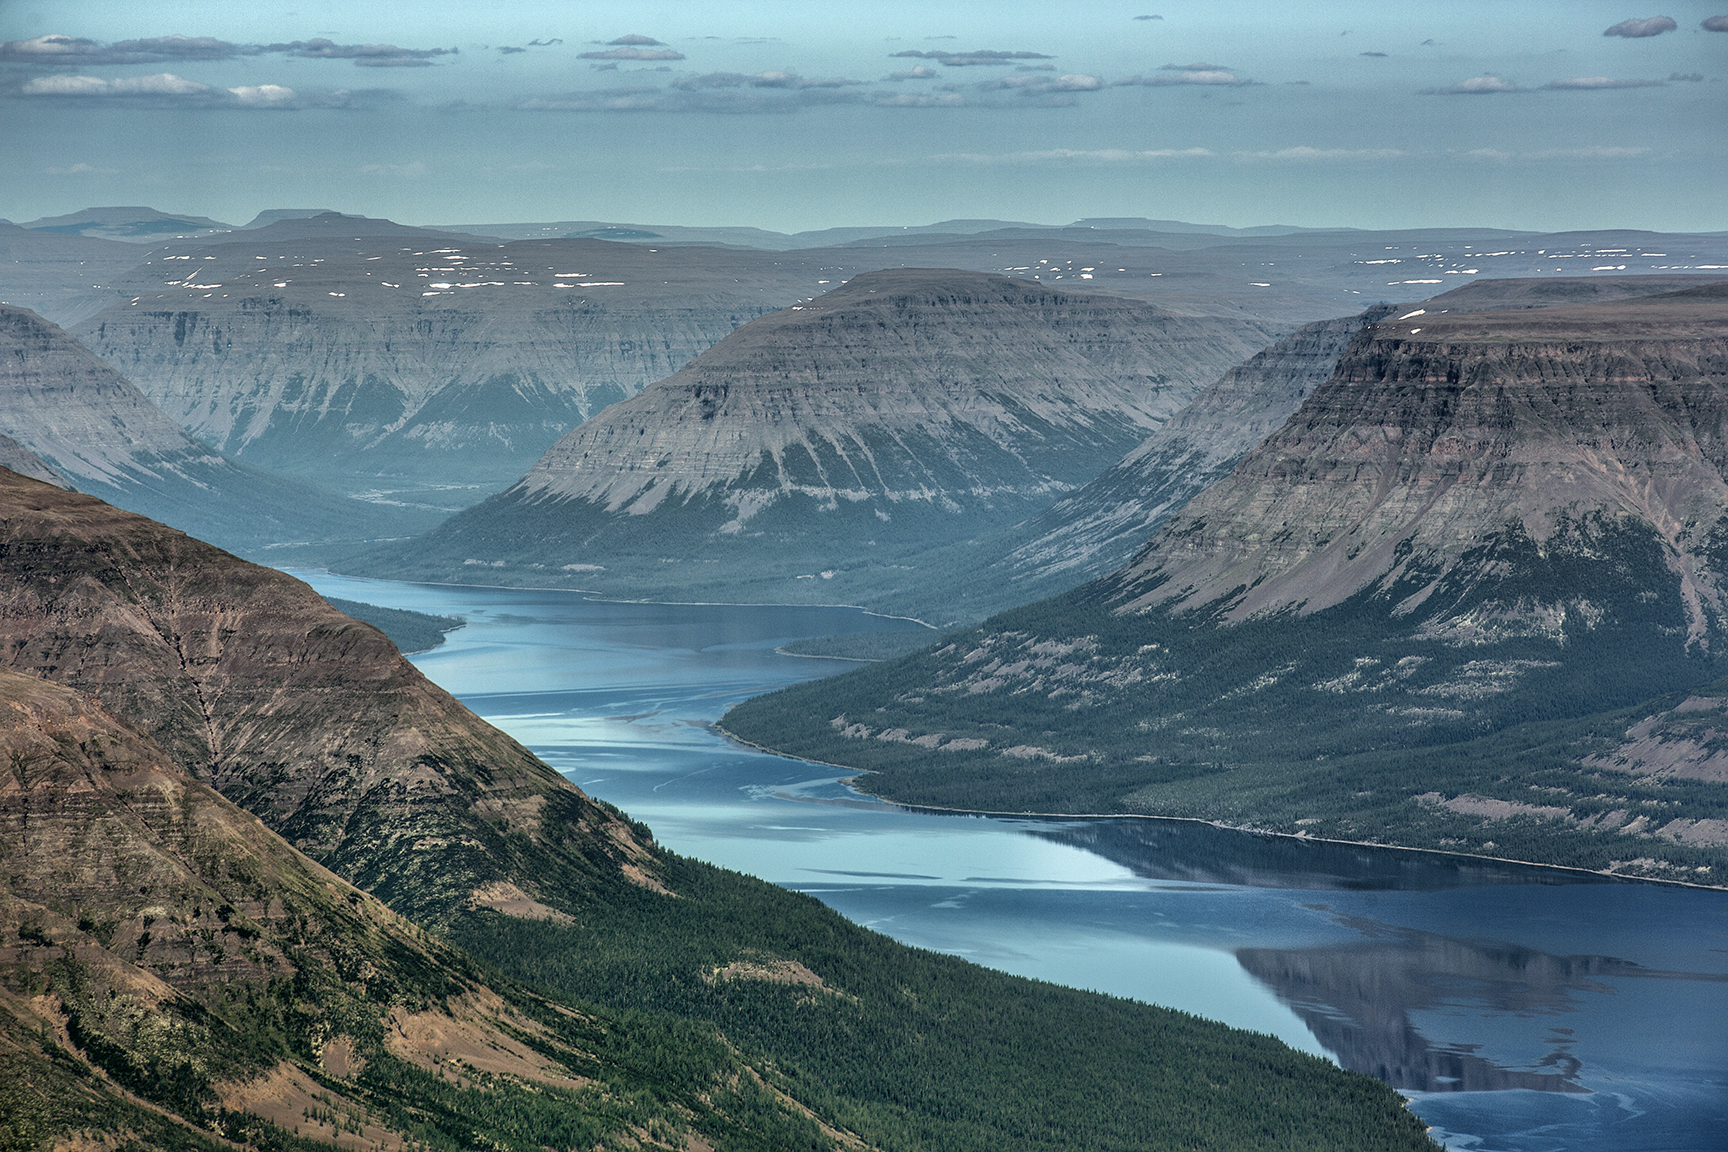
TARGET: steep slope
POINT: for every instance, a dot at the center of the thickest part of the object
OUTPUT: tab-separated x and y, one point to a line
1101	526
711	1006
397	357
312	720
1488	546
103	436
21	460
816	452
151	929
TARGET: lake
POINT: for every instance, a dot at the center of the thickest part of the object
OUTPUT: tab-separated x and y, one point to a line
1521	1009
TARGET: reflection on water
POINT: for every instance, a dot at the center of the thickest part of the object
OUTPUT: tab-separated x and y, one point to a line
1360	1000
1525	1009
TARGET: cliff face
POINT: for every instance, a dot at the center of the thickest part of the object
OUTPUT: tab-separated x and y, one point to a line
835	441
1101	526
381	360
1455	590
1439	432
309	719
99	433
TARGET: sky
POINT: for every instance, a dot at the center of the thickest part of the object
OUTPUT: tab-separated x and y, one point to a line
802	114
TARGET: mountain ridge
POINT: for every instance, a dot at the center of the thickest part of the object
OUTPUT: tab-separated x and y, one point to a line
830	441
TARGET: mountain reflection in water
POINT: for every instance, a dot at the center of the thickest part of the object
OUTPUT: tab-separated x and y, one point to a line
1360	997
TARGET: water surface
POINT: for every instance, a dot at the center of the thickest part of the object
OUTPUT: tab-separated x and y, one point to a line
1522	1009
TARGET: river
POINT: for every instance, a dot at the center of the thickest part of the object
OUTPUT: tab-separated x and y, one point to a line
1521	1009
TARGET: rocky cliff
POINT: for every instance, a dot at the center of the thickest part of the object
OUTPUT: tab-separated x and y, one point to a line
101	435
1100	527
416	359
1434	608
833	442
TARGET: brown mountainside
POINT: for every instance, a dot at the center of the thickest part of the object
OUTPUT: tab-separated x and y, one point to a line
1438	430
294	711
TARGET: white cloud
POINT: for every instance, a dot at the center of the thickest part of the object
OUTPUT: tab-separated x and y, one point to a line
169	89
1475	86
632	54
1103	155
81	169
1200	73
1303	154
1598	83
1714	24
410	171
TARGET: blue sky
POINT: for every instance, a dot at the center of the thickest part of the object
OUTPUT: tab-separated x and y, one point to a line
806	115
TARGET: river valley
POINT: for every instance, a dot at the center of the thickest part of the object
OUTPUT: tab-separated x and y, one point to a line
1522	1009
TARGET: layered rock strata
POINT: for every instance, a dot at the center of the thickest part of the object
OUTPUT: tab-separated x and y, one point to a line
292	710
835	441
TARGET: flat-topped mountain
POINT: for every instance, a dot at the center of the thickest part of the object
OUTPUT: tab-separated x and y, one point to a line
63	277
102	435
227	985
1431	610
830	442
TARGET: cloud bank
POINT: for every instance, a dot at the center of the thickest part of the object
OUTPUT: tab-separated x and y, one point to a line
963	59
165	88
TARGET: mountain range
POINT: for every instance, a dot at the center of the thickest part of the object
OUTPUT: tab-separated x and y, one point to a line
1464	598
823	451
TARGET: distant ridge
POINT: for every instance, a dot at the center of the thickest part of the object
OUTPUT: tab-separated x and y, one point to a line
101	435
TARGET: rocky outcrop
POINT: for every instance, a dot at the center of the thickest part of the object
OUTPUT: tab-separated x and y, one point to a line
311	720
835	440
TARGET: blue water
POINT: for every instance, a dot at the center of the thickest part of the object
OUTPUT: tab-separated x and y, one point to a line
1521	1009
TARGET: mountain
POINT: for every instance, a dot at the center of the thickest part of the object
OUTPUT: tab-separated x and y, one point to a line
817	452
228	988
101	435
21	460
375	357
626	997
301	715
1100	527
1435	609
134	225
272	215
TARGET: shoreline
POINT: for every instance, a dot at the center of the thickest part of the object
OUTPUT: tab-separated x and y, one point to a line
607	598
1299	837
